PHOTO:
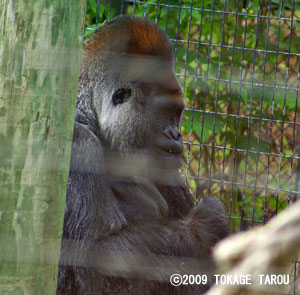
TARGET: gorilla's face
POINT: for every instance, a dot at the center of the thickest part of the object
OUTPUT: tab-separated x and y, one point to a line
142	107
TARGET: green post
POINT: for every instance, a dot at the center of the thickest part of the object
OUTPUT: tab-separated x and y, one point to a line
40	50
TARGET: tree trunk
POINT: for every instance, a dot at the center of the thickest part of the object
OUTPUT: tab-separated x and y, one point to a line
40	49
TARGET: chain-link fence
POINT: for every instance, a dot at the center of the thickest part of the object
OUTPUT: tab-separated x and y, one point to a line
238	64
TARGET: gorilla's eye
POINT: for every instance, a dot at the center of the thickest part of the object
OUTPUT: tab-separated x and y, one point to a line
121	95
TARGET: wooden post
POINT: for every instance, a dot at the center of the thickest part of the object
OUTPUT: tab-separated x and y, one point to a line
40	49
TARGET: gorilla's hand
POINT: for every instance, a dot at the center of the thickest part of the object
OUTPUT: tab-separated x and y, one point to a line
209	220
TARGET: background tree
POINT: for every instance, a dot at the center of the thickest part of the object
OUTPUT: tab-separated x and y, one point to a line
40	49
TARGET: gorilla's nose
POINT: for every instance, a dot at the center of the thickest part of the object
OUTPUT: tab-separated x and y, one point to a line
172	132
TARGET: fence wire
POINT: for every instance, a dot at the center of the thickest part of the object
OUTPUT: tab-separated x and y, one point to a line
238	64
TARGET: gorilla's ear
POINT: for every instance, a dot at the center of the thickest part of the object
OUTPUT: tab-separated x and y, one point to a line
86	152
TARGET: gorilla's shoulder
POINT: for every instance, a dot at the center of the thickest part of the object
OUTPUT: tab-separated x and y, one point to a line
87	151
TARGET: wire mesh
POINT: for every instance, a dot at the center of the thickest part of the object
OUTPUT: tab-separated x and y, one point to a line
238	64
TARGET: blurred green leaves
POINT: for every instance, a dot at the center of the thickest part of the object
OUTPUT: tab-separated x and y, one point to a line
240	83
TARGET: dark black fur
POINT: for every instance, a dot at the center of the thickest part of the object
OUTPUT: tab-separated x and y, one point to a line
128	234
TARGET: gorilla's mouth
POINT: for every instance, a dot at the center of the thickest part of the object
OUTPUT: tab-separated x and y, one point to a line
171	146
168	152
171	141
169	159
174	151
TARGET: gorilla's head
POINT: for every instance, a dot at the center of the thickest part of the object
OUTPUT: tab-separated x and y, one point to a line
129	89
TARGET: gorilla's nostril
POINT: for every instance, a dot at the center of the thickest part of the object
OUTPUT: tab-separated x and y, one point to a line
173	133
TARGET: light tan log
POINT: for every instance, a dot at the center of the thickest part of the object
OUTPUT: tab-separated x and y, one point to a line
264	251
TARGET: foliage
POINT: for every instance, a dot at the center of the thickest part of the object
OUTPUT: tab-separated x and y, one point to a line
238	65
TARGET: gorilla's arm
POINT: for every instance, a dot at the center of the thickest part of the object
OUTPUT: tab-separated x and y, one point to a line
97	235
91	210
179	200
193	236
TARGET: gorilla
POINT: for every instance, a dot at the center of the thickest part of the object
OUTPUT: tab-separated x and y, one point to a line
130	221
